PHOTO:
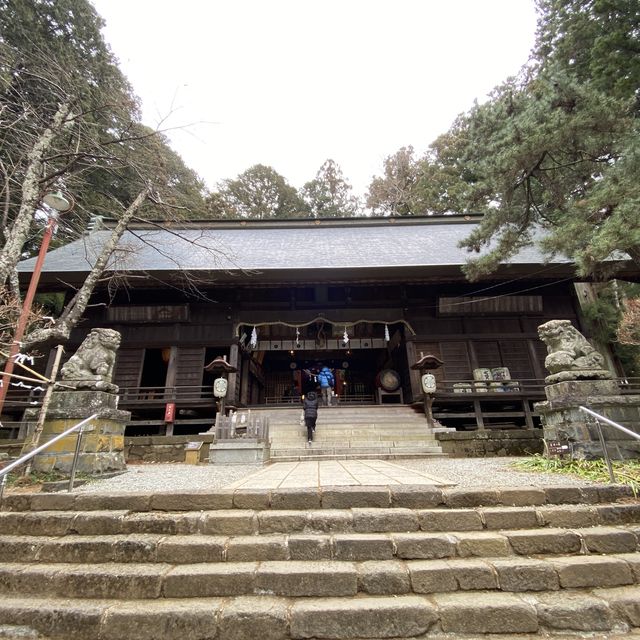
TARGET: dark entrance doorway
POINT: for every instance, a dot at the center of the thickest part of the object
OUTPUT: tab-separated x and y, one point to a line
284	360
288	375
154	369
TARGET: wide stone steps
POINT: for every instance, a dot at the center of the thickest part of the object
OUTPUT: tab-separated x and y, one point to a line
353	444
331	563
319	452
611	499
343	412
309	545
340	440
357	434
561	526
376	432
461	615
319	578
320	455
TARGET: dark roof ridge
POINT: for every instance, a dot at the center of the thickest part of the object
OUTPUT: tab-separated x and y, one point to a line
290	223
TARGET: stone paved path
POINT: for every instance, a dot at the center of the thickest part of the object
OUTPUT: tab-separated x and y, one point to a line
462	472
334	473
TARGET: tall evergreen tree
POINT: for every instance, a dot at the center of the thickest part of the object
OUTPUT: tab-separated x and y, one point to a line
555	148
52	53
260	192
329	195
394	193
70	121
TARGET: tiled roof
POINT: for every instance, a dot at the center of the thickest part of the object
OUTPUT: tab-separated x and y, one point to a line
357	245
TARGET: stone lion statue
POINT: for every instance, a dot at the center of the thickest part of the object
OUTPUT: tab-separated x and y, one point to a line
91	366
570	356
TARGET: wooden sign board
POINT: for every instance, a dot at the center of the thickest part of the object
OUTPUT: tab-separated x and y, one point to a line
557	448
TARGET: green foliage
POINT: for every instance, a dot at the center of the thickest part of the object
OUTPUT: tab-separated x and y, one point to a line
625	472
596	39
544	153
555	149
51	304
394	193
52	52
329	195
38	478
260	192
603	316
143	153
63	36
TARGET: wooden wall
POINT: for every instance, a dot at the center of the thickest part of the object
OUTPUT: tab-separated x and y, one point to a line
502	332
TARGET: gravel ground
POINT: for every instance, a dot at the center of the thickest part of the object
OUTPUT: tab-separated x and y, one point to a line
489	472
465	472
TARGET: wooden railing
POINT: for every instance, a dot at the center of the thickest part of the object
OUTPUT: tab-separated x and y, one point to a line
534	386
473	404
160	395
629	386
23	398
530	387
349	398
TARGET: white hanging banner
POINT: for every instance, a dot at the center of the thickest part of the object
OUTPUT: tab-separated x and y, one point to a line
253	343
386	333
345	336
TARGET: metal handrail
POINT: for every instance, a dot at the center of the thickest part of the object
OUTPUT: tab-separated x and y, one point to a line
611	423
27	456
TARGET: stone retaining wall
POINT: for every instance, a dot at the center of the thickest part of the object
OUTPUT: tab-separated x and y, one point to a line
11	447
164	448
482	444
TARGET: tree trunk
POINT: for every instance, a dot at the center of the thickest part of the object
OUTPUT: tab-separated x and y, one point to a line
73	311
10	253
634	254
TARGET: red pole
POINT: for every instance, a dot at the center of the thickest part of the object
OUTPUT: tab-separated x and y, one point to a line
26	309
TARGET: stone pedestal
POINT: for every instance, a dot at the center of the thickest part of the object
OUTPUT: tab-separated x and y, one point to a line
102	449
239	451
562	419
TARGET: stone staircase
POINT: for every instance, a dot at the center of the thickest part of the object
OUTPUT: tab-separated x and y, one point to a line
332	563
375	432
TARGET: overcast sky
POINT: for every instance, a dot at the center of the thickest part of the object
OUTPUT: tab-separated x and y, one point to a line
290	83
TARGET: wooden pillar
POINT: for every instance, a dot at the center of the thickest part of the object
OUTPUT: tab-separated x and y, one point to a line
528	417
244	381
538	369
172	368
414	376
233	389
478	411
170	382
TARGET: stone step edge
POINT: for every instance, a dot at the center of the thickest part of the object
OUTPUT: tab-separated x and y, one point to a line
410	616
546	519
313	457
356	445
327	497
517	545
319	578
362	443
341	437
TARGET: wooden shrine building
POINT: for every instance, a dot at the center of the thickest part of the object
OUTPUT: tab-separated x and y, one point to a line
279	298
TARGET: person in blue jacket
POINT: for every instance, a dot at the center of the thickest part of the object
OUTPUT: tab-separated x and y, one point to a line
326	382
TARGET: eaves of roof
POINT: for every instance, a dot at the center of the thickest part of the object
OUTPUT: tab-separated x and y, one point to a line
286	251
